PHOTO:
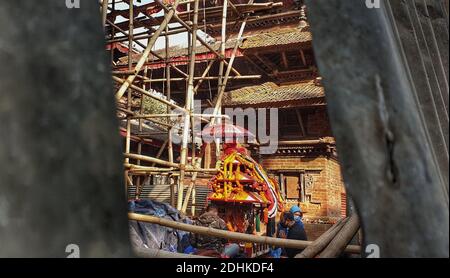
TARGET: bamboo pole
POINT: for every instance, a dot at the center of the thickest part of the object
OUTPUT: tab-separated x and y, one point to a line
158	253
142	91
339	243
218	105
130	61
143	46
149	116
151	160
203	78
168	94
147	51
104	12
161	150
319	244
145	35
141	110
188	108
133	167
194	195
191	186
221	55
223	84
208	231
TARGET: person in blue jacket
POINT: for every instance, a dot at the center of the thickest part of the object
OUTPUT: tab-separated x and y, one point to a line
298	215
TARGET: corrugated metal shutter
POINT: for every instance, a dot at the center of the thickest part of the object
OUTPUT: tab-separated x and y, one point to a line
161	192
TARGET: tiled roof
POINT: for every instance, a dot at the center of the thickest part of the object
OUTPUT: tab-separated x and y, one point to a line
277	38
267	39
178	51
181	51
271	95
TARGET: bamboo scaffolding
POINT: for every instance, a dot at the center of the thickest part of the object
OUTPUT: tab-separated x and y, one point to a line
151	159
228	71
286	243
147	51
184	114
221	55
168	93
203	78
188	107
133	167
128	135
142	91
136	40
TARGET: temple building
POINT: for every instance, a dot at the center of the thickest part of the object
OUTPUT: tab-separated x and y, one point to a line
275	68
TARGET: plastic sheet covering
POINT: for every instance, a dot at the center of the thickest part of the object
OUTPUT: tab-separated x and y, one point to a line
153	236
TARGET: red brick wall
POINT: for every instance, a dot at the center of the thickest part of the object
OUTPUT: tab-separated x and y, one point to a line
335	188
326	192
314	231
318	123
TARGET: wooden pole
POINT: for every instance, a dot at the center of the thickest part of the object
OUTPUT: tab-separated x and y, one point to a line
188	108
218	105
220	56
158	253
204	77
287	243
142	91
147	51
224	82
130	64
339	243
319	244
191	186
162	170
151	160
143	46
168	94
104	12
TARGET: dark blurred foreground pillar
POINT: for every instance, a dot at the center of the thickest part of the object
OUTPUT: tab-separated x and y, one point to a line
385	72
60	157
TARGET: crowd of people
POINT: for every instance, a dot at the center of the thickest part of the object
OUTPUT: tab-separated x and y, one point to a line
290	226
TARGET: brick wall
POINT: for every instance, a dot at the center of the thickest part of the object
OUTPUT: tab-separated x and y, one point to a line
335	187
318	123
314	231
325	204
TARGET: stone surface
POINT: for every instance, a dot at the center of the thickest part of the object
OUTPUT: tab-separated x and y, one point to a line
385	153
60	175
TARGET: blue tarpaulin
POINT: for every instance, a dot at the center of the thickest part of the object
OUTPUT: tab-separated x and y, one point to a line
148	235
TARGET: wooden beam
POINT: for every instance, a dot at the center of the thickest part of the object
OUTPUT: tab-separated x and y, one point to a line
302	57
284	59
271	66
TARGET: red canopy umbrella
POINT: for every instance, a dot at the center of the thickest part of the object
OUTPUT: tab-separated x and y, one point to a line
225	131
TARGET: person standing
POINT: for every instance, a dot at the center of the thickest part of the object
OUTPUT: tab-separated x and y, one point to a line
296	232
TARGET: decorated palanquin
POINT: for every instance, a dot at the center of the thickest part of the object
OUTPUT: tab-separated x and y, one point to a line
243	189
